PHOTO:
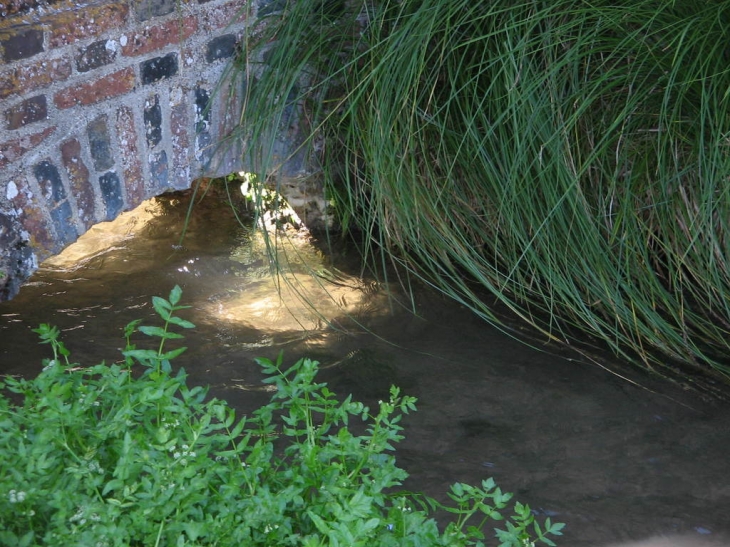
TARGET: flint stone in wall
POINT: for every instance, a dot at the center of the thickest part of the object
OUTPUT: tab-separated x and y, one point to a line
158	68
153	122
202	126
49	181
147	9
222	47
159	170
111	193
95	55
267	7
8	235
16	261
63	221
100	144
22	45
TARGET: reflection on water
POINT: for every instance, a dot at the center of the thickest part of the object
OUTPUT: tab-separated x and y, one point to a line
615	461
105	243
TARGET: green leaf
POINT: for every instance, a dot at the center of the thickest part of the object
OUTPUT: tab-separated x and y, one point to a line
181	322
160	332
169	355
131	327
162	307
141	354
175	295
319	523
194	530
27	539
153	331
114	484
238	428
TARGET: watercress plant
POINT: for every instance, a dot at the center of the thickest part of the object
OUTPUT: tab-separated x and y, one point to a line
128	455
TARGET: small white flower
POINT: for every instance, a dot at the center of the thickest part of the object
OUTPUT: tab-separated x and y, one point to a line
94	467
78	516
16	496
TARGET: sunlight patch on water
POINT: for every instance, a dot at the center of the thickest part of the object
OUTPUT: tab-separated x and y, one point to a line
105	238
304	294
293	289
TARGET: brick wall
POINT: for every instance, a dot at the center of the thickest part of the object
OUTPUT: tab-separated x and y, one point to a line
104	104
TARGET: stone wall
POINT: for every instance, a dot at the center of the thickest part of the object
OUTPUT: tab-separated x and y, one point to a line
103	104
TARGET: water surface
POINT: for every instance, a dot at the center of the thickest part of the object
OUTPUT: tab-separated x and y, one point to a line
614	460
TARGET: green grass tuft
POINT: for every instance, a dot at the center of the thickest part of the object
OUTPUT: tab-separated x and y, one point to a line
570	157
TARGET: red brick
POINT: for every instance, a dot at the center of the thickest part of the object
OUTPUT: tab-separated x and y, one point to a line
32	110
78	175
90	22
36	75
222	16
129	153
13	150
115	84
175	31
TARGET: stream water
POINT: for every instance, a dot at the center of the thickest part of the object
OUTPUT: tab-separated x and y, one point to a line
614	459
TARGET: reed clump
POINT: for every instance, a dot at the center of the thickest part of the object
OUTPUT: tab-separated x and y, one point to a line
570	157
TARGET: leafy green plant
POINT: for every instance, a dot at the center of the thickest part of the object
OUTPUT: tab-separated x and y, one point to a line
127	454
569	157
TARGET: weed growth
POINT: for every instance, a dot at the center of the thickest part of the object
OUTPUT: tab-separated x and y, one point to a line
128	455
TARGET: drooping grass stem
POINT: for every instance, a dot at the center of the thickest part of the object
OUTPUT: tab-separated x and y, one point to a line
568	157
